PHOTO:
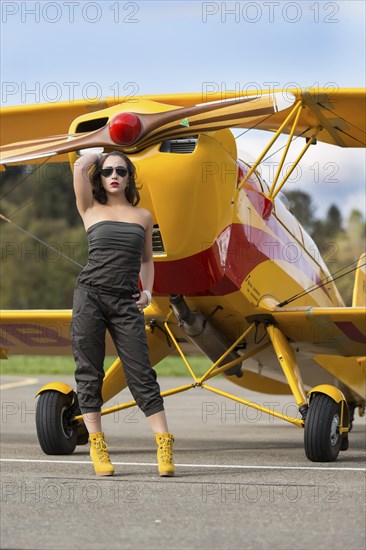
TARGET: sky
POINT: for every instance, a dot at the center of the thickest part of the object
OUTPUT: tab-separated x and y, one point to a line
66	50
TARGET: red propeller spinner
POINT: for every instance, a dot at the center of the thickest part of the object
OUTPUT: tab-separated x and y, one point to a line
125	128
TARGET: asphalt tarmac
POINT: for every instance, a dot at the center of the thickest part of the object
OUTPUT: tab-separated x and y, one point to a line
242	480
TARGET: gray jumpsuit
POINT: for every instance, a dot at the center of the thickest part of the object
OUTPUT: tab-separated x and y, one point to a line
103	300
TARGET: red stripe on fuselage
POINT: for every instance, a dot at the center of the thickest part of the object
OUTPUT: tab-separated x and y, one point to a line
238	250
222	268
217	270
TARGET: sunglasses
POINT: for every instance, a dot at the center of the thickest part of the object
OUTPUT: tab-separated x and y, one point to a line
121	171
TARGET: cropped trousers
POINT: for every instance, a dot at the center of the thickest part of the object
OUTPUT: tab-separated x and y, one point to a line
94	312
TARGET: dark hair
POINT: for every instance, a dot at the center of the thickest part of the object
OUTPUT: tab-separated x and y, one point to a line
99	193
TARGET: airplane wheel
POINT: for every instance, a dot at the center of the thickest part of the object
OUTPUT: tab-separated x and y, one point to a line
57	434
321	437
351	408
83	435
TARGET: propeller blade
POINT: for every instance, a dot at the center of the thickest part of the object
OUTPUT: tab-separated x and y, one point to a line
132	132
54	145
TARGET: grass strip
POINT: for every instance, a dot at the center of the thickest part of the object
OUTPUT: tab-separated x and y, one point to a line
65	365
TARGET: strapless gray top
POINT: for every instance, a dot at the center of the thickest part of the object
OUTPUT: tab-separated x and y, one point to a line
114	261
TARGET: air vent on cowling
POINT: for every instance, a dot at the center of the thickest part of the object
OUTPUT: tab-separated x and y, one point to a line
158	245
179	146
90	125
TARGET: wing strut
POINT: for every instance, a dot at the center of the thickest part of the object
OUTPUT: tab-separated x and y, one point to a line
310	141
275	189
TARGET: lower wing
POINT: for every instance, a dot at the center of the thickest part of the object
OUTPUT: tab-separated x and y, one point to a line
47	332
332	330
335	337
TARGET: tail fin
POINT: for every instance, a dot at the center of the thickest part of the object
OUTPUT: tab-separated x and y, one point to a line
359	289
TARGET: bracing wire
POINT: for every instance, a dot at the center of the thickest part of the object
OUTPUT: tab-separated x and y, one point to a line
26	177
342	118
254	125
324	282
28	233
4	218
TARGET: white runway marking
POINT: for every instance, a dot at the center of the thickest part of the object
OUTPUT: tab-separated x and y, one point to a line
11	385
215	466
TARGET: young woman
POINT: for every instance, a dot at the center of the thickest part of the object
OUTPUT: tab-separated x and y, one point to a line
107	297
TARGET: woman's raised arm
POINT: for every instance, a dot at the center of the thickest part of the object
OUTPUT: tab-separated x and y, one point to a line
82	186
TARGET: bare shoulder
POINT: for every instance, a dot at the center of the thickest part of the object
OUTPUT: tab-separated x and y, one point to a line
146	217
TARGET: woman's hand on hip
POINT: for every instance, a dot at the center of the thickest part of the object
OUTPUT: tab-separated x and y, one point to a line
143	300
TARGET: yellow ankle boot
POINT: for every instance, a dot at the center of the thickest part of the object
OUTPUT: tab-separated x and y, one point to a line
165	454
99	455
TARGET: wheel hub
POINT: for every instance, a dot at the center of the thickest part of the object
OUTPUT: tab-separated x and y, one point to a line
65	422
334	430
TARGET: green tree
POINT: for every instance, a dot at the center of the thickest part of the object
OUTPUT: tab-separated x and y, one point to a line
325	232
351	244
302	208
39	200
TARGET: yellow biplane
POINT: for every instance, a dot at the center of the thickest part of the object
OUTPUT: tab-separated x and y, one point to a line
235	273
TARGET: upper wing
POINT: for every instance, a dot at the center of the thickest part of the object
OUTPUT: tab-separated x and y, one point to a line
135	127
339	114
333	330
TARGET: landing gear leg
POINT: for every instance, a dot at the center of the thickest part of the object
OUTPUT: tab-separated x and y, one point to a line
286	357
325	418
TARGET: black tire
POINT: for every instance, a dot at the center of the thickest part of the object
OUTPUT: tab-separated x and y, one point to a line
321	437
57	433
83	435
351	407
